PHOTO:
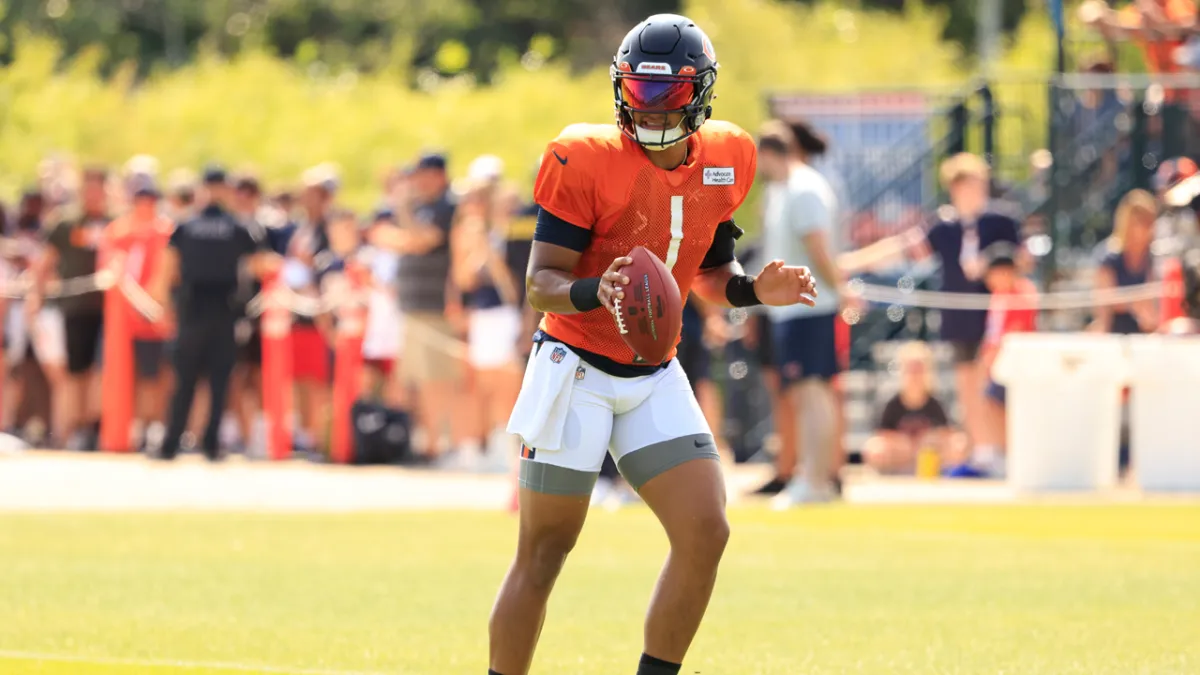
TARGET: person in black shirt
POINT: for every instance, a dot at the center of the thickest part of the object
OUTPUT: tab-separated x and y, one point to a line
204	257
71	253
912	420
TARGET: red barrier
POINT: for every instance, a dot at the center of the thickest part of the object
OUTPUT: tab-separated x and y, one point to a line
1172	299
276	335
117	371
348	366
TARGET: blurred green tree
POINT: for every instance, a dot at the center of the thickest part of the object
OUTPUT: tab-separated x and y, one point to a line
446	38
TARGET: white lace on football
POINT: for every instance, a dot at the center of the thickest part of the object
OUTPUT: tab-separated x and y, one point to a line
620	319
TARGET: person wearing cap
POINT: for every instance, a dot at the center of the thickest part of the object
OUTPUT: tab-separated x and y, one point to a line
71	253
205	255
1011	310
141	235
425	211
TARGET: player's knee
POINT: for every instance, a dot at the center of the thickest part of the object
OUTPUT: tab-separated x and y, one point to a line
545	553
703	537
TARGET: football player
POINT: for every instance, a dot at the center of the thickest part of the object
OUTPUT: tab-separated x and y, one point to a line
667	178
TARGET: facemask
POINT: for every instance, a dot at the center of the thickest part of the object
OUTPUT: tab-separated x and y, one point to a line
659	139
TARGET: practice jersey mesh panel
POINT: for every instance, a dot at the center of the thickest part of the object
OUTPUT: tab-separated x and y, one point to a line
646	221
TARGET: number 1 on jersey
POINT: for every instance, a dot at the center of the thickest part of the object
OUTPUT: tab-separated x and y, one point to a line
676	231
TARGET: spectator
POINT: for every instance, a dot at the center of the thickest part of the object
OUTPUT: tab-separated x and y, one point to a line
204	258
307	249
383	337
71	254
181	198
1012	311
798	226
40	335
1128	263
913	420
963	229
480	270
425	211
142	235
245	385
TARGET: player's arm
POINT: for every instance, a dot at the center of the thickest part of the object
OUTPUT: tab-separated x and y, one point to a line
722	281
566	190
550	282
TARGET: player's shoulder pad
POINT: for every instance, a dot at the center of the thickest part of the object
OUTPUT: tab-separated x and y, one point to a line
728	140
586	140
726	131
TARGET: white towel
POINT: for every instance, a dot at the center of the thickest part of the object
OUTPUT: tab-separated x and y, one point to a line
540	414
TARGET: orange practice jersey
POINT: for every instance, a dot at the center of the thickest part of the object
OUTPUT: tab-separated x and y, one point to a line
593	177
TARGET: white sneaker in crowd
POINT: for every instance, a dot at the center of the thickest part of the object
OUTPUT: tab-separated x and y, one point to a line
800	492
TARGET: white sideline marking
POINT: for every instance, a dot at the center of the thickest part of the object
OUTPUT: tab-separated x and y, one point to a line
165	663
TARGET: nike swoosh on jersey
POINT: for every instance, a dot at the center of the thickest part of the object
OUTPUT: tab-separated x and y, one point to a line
561	160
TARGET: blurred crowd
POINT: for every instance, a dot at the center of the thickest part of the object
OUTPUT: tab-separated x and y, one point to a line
447	323
448	328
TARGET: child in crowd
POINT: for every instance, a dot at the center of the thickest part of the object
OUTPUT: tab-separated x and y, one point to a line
913	420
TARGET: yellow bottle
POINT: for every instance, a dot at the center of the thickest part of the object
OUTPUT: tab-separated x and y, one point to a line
929	464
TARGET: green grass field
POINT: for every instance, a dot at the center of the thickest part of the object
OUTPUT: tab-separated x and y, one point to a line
1029	590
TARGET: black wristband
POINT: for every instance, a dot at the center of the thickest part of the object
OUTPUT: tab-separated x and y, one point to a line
740	291
584	294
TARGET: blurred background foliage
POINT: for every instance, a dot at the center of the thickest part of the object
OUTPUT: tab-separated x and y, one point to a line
279	85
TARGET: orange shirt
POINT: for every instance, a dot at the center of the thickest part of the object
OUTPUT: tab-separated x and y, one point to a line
143	244
1159	54
594	177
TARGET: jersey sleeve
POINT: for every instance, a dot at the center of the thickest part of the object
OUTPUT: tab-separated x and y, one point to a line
566	182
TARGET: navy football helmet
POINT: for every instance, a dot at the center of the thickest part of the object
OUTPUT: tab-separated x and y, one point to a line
666	64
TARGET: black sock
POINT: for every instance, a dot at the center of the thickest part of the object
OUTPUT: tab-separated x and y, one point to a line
492	672
652	666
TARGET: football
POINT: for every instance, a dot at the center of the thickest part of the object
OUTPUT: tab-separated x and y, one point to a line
650	316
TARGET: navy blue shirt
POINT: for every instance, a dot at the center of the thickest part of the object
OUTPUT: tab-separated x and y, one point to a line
945	238
1124	322
693	324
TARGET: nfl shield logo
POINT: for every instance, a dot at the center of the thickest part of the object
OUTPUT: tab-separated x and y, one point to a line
558	355
580	373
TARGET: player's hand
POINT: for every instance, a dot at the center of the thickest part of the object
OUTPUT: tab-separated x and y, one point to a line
612	282
780	285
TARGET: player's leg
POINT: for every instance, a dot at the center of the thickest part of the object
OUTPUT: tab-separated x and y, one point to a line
554	492
666	452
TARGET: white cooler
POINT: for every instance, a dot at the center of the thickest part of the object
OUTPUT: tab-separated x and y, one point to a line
1165	412
1064	409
